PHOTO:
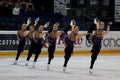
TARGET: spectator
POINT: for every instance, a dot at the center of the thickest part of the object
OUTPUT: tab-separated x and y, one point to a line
16	10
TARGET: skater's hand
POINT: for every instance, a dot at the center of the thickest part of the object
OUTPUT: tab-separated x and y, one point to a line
96	20
46	24
28	21
110	23
37	19
73	22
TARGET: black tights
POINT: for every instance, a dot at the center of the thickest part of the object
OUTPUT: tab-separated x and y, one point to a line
51	50
31	50
20	49
36	56
68	51
36	49
95	51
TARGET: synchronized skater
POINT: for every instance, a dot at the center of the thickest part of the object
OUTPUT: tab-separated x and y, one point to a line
51	38
96	39
21	36
69	40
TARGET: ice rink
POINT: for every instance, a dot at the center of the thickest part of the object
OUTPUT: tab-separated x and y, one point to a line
106	68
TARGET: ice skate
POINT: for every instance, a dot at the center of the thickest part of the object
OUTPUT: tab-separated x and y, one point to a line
26	64
48	66
15	62
90	71
64	69
34	63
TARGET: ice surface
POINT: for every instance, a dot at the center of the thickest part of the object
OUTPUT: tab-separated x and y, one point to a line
105	68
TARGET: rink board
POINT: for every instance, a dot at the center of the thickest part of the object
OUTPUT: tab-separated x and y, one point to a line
110	44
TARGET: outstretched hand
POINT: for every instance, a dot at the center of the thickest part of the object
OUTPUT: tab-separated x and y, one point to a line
37	19
110	23
28	21
96	20
46	24
73	22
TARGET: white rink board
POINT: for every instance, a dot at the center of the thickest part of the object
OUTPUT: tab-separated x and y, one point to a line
110	42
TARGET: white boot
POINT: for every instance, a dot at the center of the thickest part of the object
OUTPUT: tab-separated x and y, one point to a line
15	62
64	69
26	64
34	63
90	71
48	66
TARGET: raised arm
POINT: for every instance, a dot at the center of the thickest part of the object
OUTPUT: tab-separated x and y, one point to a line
96	21
28	22
108	29
46	24
81	35
36	21
73	24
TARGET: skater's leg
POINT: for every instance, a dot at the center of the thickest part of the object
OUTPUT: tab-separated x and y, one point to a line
51	51
95	51
68	52
19	51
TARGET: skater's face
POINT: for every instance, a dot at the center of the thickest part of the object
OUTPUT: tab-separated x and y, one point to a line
55	27
23	26
31	28
76	29
40	28
101	25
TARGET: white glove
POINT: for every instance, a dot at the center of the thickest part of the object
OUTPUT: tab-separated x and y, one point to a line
37	19
96	20
28	21
73	22
46	25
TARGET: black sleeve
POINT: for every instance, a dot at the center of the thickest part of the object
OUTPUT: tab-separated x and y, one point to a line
50	30
67	28
92	28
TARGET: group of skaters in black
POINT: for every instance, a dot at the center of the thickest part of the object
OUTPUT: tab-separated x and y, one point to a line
38	40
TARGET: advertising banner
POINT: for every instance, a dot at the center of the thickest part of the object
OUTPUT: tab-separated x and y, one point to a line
8	41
